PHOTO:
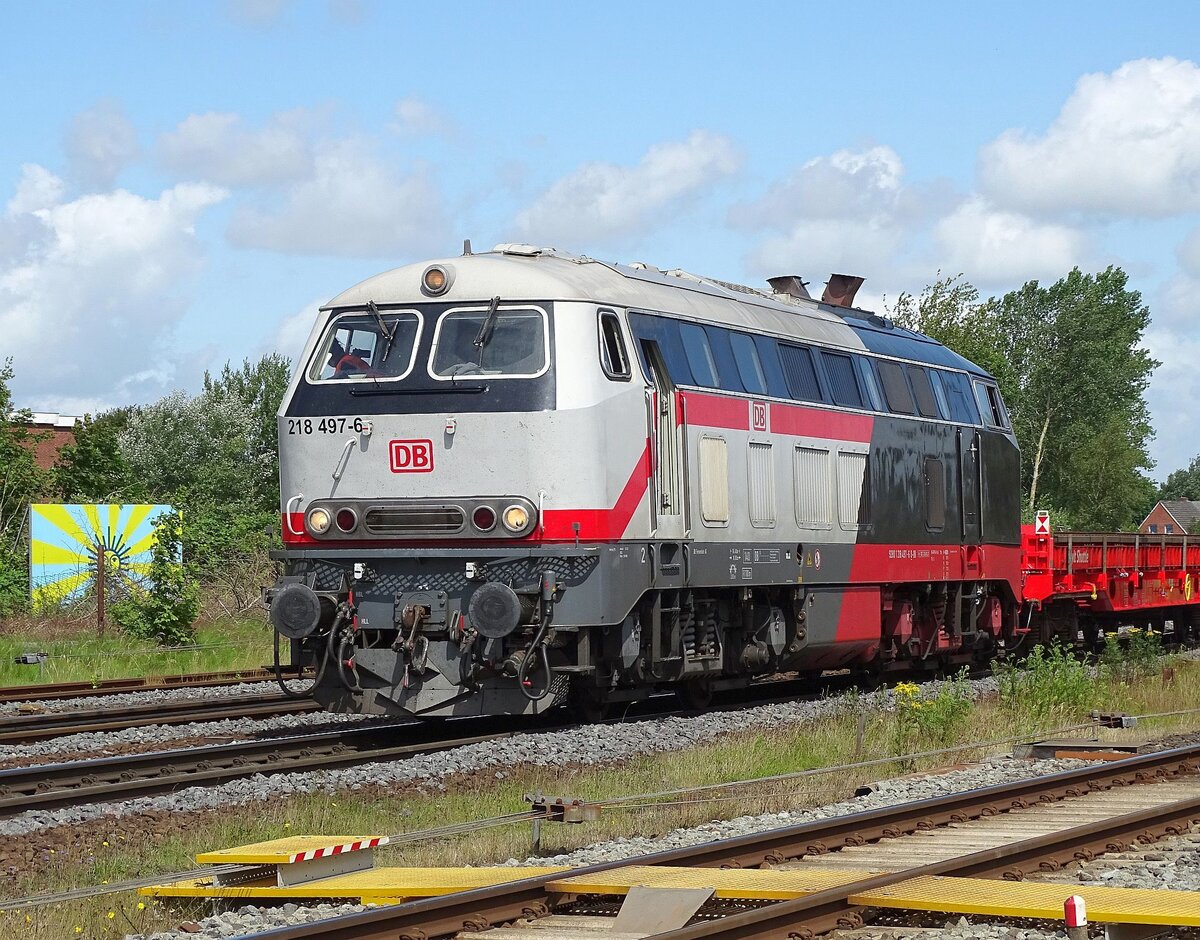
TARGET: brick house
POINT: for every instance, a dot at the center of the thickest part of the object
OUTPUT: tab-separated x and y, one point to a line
1173	517
60	430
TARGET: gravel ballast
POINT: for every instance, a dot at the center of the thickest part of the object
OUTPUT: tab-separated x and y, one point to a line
588	745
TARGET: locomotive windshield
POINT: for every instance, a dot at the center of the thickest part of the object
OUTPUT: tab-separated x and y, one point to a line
510	343
378	345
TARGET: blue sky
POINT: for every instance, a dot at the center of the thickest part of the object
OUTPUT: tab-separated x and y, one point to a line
183	183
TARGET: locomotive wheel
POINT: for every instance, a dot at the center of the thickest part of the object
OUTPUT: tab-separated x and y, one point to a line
695	694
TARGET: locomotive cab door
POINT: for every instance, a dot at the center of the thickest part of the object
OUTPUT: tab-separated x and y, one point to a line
666	429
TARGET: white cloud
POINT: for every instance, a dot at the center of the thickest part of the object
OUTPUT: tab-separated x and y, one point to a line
994	247
37	189
606	199
1126	142
217	147
848	184
1175	386
100	142
354	205
417	117
293	330
815	248
90	305
1188	253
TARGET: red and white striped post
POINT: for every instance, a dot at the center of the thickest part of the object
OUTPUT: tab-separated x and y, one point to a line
1075	914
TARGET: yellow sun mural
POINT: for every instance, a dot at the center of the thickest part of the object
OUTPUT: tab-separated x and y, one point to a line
65	540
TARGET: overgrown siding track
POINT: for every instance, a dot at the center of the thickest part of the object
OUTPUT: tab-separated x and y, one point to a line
55	690
48	786
808	916
25	728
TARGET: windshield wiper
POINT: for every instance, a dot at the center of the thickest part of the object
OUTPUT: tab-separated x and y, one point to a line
488	327
390	334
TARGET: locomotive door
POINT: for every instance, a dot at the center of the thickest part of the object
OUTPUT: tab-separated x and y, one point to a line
662	406
970	489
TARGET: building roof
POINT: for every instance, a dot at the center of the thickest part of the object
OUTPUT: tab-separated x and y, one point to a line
1184	511
52	419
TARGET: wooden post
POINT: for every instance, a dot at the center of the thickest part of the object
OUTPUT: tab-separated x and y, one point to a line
100	578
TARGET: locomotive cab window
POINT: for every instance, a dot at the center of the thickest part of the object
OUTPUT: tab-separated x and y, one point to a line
991	405
504	343
366	347
612	347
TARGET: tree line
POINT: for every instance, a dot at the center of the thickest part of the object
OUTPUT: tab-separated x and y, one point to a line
213	456
1068	357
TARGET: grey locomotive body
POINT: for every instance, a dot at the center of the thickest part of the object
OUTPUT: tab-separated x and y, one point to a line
519	478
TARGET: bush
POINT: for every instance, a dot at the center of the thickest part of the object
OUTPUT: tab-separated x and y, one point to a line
166	612
931	720
14	582
1049	683
1138	656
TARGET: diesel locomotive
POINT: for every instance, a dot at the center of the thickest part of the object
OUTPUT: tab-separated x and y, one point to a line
521	478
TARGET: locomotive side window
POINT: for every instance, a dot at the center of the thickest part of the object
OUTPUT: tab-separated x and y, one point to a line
748	366
699	356
923	392
895	388
612	347
800	372
870	383
506	343
361	346
958	395
843	382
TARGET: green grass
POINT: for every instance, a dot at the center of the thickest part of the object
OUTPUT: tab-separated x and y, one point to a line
77	654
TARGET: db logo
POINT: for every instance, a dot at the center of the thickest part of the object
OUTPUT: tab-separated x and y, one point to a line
411	456
758	415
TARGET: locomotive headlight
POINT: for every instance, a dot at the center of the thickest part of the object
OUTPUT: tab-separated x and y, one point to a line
318	521
436	280
516	518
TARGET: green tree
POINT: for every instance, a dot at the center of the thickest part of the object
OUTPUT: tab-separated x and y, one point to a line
93	468
22	481
165	611
1183	483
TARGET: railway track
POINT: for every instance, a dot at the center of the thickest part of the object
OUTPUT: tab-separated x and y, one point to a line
50	786
472	913
41	726
57	690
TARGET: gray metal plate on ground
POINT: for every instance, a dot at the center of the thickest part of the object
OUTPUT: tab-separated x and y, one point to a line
1039	750
648	911
298	873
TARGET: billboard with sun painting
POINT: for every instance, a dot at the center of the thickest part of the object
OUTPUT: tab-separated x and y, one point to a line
67	539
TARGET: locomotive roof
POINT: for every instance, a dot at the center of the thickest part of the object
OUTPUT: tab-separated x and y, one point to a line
528	272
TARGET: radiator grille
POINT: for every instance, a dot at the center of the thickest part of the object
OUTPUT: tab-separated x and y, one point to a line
409	520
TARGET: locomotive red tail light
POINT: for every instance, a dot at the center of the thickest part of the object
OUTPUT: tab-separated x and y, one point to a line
484	518
347	519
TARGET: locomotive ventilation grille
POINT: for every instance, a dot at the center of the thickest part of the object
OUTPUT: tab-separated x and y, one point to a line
415	519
